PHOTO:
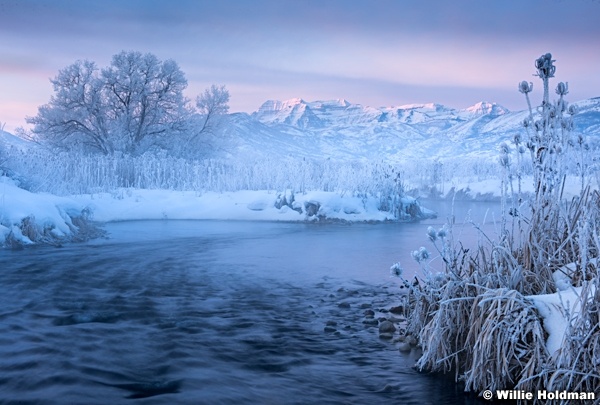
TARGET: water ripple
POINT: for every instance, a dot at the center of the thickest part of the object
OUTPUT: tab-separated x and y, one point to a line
174	323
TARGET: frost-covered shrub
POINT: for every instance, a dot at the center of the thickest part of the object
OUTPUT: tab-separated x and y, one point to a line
475	318
28	231
507	341
73	173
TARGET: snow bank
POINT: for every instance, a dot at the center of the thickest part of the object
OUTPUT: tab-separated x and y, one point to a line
26	216
137	204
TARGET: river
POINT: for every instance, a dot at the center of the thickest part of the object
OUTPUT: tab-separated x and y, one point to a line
213	312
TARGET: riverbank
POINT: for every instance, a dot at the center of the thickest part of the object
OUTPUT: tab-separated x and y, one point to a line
27	217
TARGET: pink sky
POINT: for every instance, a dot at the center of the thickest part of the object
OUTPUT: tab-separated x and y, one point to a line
380	54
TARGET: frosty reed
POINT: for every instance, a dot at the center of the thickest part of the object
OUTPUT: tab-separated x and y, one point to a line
477	318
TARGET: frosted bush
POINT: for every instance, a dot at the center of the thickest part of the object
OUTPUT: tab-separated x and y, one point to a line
476	319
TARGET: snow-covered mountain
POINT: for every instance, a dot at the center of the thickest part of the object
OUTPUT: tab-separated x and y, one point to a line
339	129
320	114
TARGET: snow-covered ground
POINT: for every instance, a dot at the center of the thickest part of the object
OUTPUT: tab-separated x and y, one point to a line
52	215
128	204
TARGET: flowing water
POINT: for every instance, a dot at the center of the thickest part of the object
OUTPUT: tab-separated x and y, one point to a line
210	312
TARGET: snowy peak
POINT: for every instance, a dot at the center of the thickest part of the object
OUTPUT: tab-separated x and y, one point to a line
431	107
340	102
309	115
295	112
276	105
272	106
485	108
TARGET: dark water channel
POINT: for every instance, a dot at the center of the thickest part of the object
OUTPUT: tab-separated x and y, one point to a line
209	312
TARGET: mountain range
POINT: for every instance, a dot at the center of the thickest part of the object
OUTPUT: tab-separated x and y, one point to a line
342	130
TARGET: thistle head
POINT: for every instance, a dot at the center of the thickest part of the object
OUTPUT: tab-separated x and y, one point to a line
420	255
567	123
432	234
545	66
573	109
525	87
562	89
504	161
396	270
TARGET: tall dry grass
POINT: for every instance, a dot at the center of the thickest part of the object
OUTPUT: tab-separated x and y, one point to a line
477	318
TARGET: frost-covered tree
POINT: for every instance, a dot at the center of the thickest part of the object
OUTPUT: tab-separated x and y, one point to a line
76	113
144	98
212	104
132	105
